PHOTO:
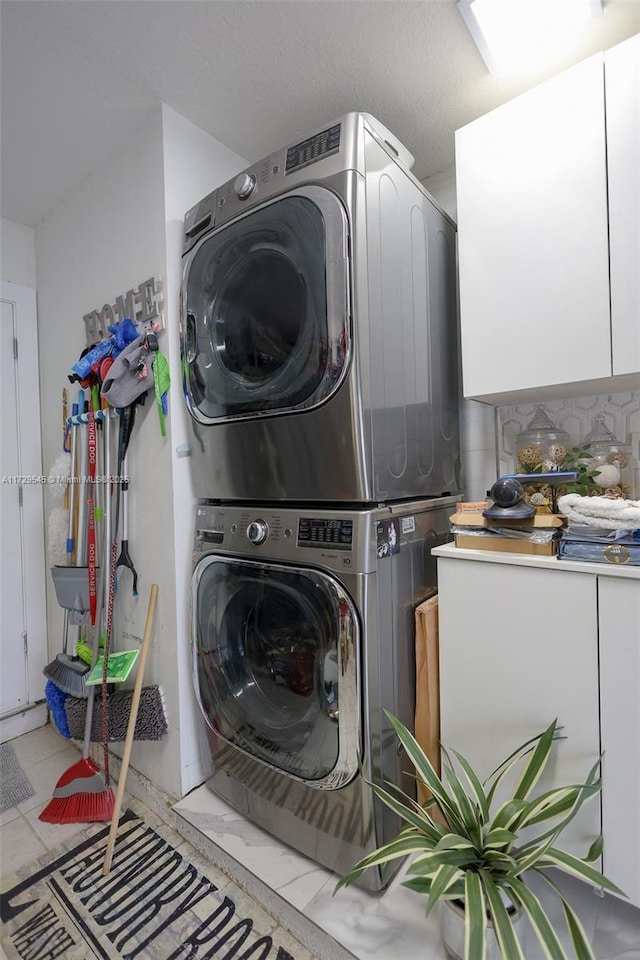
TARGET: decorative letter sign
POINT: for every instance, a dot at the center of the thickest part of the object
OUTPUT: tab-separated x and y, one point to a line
142	304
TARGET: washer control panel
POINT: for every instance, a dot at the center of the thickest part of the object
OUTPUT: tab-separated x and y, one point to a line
315	532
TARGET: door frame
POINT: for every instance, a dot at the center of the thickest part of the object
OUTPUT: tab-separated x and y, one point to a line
34	714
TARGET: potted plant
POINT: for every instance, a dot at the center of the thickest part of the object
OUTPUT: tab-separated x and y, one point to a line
471	858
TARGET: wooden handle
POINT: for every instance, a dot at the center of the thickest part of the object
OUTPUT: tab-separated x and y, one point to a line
133	715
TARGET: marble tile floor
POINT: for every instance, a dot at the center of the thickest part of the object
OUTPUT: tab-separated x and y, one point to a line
391	925
296	892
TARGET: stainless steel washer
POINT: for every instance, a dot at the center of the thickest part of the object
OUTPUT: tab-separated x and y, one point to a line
319	327
303	634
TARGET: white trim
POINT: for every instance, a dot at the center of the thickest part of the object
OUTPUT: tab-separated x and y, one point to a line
24	301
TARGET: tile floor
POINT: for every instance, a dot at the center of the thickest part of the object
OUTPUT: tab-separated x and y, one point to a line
392	925
44	755
294	890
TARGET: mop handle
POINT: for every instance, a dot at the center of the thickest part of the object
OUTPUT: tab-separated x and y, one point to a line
93	448
131	728
81	553
72	494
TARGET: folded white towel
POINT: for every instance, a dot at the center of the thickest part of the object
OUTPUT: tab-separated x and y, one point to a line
613	514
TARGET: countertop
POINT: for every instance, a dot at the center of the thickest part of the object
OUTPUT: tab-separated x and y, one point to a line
449	550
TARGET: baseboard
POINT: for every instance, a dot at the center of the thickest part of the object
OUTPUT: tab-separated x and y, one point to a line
25	721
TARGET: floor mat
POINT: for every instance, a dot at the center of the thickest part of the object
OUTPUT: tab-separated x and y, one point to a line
14	783
161	900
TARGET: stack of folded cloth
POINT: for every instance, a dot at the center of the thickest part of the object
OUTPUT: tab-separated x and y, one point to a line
600	529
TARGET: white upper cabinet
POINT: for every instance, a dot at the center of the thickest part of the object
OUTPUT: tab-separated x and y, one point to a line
622	99
533	234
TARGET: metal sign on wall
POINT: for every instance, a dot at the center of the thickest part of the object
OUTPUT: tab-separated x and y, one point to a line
143	304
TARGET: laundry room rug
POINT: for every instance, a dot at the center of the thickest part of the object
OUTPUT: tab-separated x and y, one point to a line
14	783
162	900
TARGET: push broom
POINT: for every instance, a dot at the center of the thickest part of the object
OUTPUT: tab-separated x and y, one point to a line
81	794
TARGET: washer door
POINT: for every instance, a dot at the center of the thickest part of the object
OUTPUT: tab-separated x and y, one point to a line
265	310
275	666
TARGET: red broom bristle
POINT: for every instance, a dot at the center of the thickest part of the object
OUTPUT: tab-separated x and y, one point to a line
80	808
83	805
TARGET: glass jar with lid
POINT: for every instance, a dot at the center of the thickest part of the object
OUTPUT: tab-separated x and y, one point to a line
540	447
609	460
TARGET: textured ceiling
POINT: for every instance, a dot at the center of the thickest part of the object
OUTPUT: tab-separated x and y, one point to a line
78	78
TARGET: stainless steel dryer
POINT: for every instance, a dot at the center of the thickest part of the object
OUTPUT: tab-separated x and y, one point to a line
319	327
303	633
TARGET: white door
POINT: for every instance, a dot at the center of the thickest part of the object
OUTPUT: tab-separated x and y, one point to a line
23	636
12	617
619	618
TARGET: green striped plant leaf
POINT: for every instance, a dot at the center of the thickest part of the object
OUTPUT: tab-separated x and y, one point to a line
537	762
475	927
429	862
399	847
445	878
477	790
467	812
595	850
418	819
574	865
589	790
425	770
476	855
579	940
423	885
545	933
508	814
501	771
498	837
502	924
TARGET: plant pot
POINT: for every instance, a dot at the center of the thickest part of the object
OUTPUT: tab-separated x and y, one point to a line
451	923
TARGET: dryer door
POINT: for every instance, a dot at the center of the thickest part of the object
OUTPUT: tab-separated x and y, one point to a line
275	666
265	308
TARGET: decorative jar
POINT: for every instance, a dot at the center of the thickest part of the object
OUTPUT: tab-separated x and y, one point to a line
610	461
540	447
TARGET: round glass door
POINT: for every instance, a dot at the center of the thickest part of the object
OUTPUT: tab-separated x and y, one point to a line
273	647
264	325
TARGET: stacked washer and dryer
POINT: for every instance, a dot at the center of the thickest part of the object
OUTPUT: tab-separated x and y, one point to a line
319	342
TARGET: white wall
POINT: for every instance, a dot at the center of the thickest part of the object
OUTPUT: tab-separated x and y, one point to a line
17	254
442	186
194	165
478	440
121	226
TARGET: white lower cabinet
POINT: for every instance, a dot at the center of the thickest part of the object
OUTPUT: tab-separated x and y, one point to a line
619	616
522	644
518	648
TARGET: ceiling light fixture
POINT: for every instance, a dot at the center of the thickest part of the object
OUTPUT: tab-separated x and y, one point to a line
518	34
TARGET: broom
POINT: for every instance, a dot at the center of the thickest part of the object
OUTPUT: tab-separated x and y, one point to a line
81	794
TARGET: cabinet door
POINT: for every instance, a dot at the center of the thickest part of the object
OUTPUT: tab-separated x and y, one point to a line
622	76
532	235
518	648
619	610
